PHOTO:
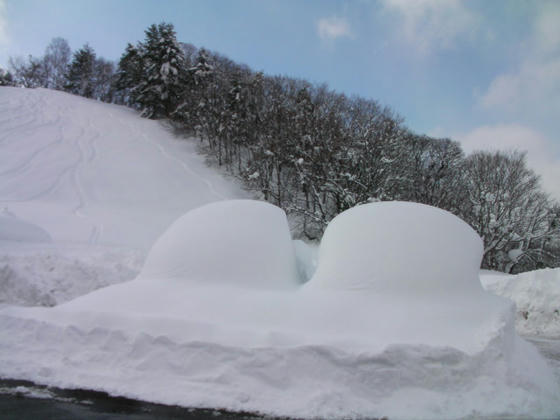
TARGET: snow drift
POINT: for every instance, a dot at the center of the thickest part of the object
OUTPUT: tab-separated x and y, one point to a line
536	295
35	274
237	242
327	349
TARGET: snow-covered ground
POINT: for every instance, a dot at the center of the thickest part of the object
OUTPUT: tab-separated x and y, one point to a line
388	319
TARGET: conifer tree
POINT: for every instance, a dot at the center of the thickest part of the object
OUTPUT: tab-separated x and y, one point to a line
80	78
103	76
162	57
6	78
129	75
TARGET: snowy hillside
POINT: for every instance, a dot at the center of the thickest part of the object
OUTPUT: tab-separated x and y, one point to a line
85	189
89	172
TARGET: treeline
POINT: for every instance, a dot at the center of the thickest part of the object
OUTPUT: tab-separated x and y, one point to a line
315	152
81	73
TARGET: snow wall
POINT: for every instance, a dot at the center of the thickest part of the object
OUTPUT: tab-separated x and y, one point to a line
238	242
399	247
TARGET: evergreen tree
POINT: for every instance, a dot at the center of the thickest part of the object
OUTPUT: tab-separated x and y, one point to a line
6	78
162	56
103	80
80	79
129	76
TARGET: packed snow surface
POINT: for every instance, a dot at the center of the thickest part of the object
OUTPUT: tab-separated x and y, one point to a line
89	172
236	242
324	349
537	298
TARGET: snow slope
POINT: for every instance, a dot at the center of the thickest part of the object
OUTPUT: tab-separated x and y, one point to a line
13	229
323	350
89	172
92	183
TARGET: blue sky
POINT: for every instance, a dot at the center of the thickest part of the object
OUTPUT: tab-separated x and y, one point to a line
486	73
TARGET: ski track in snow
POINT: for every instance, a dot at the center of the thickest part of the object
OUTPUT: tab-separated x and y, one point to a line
37	122
173	159
97	229
70	171
67	168
87	154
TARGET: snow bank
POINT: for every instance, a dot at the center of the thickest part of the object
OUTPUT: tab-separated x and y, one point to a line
397	247
17	230
237	242
334	348
45	275
536	295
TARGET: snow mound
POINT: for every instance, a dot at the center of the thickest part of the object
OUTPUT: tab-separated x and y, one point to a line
536	295
17	230
180	334
399	247
237	242
43	275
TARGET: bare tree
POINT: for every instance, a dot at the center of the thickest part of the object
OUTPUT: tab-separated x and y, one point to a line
507	208
27	73
55	63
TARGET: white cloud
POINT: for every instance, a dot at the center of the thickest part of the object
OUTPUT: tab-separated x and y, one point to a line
542	154
332	28
547	28
4	39
429	25
532	89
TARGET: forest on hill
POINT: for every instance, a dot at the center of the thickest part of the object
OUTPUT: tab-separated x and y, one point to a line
308	149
